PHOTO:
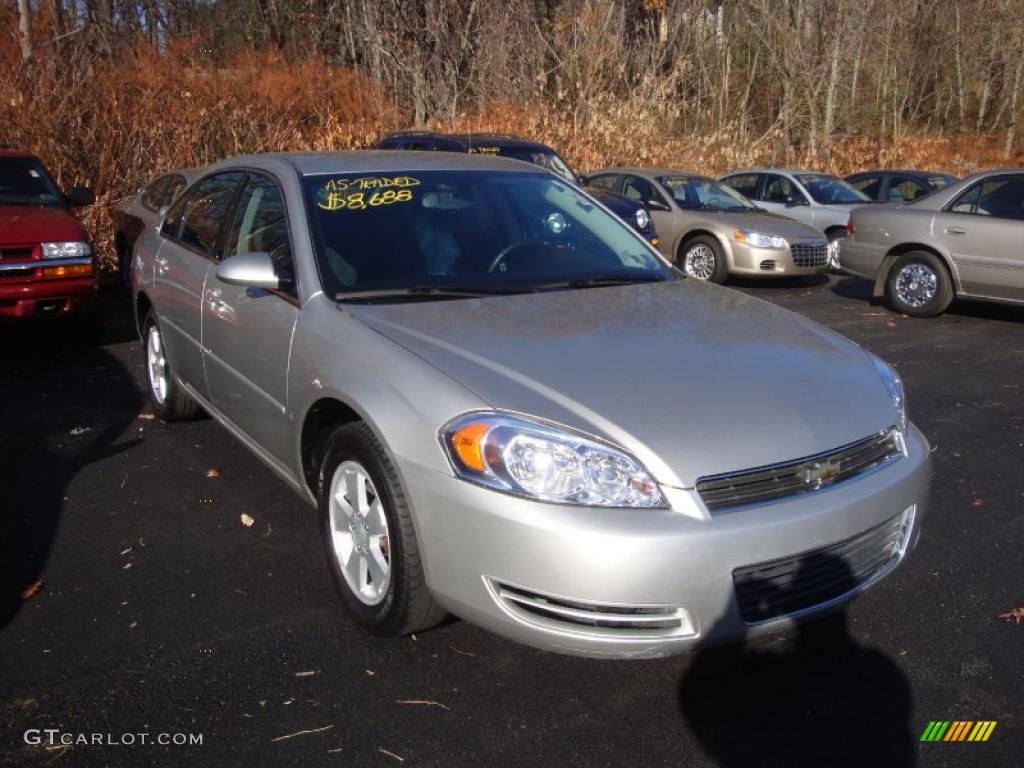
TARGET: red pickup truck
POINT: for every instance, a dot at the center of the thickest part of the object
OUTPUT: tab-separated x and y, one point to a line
46	259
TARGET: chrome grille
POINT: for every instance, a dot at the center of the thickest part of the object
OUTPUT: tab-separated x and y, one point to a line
799	476
793	584
806	255
593	618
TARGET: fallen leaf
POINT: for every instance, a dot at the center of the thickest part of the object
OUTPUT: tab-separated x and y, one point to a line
33	589
80	430
391	754
977	503
213	473
305	674
370	672
247	521
126	551
146	416
126	566
1016	615
133	625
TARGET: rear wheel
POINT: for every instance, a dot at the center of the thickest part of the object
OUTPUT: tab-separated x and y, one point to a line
369	538
169	402
701	258
919	285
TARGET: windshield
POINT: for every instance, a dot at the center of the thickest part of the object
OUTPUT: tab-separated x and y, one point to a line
828	190
24	181
493	232
699	192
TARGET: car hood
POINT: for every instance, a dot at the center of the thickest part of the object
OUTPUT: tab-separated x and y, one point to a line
769	223
691	378
20	224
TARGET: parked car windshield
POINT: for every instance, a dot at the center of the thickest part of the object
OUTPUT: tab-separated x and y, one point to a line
828	190
473	230
24	181
699	192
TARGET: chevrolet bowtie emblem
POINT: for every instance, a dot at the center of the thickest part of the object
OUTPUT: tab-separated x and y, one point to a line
819	473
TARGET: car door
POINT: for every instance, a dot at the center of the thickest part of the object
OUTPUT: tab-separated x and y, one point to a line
983	230
247	332
191	237
646	193
905	189
780	194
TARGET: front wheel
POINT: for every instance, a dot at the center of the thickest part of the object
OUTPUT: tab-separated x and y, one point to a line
919	285
369	539
702	259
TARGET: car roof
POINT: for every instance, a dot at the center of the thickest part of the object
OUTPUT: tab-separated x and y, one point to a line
12	152
472	138
380	161
652	173
901	172
790	171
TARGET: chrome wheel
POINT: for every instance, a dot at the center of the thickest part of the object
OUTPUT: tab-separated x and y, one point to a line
359	533
916	284
156	364
699	262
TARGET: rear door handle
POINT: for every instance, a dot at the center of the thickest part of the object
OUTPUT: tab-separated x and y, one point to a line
956	231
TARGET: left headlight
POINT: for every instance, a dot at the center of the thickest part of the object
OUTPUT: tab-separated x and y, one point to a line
66	250
759	239
538	461
643	219
894	386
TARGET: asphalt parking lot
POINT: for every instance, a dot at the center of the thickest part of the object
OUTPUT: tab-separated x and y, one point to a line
156	610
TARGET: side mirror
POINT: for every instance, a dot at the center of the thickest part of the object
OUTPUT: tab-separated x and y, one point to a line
657	205
80	196
250	270
793	201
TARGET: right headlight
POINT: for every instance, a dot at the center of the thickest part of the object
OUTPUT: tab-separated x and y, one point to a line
759	239
74	250
643	219
547	463
894	386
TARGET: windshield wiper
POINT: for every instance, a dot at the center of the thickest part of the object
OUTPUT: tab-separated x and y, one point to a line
615	278
421	292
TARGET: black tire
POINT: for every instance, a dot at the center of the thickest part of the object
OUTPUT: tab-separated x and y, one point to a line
719	271
927	296
174	405
407	605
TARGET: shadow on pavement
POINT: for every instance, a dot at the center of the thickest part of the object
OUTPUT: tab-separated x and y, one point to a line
65	405
815	699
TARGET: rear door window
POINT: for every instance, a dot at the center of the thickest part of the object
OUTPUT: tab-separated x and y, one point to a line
778	189
869	185
606	181
745	183
905	189
208	206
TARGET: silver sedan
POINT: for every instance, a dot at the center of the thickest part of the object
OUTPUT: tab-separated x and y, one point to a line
506	405
963	240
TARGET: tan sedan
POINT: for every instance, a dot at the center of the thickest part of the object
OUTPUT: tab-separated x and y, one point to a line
712	231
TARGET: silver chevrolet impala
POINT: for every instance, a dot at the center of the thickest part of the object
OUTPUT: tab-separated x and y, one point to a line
507	406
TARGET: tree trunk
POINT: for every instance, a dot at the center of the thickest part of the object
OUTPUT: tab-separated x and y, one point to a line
24	29
1011	128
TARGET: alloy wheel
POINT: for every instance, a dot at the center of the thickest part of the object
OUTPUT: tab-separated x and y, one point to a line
916	284
156	364
359	533
699	262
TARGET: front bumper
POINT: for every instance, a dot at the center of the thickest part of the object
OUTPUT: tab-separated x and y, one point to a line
768	262
26	291
488	557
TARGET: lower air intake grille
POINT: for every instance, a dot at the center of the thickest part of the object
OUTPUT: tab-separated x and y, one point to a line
792	584
809	255
800	476
593	618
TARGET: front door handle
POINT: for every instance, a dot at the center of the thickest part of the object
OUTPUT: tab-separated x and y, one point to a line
956	231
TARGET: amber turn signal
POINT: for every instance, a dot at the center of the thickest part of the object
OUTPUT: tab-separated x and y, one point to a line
467	444
75	270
